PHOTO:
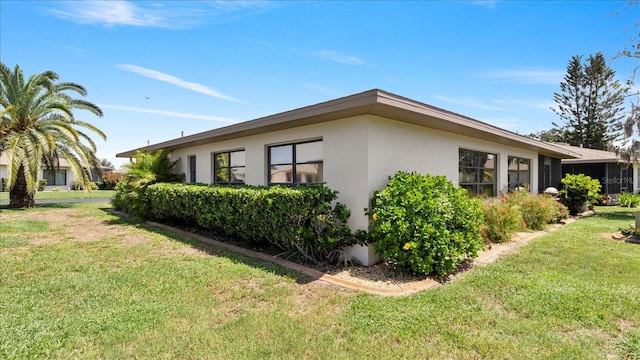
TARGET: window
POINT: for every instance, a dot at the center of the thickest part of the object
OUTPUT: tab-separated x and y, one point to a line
477	172
55	177
192	169
519	174
299	163
228	167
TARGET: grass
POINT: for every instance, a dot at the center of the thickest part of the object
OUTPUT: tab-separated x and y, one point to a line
82	283
60	195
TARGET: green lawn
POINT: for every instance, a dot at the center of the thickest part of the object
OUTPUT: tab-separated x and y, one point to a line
78	282
58	195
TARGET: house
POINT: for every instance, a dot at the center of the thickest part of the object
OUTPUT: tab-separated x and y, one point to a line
354	143
615	174
61	177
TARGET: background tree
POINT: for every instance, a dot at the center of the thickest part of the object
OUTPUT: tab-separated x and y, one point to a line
38	127
106	163
591	102
551	135
632	123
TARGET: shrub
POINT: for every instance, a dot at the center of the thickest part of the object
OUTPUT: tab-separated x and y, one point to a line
109	181
424	224
501	220
300	220
578	191
41	184
604	200
631	200
4	184
537	210
78	185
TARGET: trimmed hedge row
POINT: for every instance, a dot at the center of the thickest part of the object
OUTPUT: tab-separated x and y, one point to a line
298	220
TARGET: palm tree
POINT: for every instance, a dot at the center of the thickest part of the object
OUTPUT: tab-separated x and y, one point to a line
38	127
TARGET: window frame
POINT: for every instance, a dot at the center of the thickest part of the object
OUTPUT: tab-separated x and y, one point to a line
480	171
228	168
53	174
518	171
192	168
292	179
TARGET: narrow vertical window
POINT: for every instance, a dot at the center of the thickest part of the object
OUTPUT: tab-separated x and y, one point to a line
192	169
55	177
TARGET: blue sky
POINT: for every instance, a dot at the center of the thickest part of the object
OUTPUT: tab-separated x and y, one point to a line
158	68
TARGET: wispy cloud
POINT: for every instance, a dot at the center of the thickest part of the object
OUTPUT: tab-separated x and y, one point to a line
491	4
319	88
169	113
174	80
470	102
527	76
520	103
331	55
160	14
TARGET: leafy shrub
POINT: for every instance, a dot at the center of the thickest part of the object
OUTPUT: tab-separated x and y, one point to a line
78	185
501	220
4	184
631	200
578	191
146	169
41	184
109	181
424	224
604	200
298	220
537	210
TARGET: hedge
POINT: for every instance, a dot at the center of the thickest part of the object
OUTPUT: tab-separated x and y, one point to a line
298	220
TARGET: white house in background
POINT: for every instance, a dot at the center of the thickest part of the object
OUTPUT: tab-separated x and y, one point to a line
354	143
60	177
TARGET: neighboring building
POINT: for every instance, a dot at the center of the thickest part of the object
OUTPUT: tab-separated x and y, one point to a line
615	174
60	177
355	143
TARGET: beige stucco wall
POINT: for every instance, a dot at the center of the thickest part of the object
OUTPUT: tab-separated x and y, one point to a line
359	155
70	178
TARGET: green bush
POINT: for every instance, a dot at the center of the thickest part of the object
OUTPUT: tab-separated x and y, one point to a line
501	220
424	224
300	220
41	184
4	184
631	200
537	210
77	185
578	191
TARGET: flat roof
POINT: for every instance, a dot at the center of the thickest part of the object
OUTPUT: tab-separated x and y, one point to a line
372	102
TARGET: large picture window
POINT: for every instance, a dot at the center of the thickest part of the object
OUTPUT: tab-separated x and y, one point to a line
519	174
477	172
299	163
55	177
229	167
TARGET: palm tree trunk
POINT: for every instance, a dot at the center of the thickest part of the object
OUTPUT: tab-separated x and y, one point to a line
19	195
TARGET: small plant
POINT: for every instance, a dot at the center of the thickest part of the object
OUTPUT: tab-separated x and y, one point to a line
41	184
501	220
579	191
627	231
604	200
55	189
630	200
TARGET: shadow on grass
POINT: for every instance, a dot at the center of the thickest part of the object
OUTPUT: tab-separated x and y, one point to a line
212	249
626	214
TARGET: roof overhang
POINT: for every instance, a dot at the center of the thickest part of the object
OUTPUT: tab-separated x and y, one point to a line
373	102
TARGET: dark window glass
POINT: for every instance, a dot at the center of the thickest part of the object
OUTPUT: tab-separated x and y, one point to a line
477	172
192	169
519	173
299	163
229	167
55	177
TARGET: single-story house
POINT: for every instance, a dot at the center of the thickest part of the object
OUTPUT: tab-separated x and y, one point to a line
615	174
60	177
355	143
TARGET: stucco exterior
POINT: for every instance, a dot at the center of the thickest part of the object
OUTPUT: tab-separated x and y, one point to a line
63	166
366	138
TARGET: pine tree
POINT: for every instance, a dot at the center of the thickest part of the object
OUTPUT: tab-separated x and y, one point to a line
591	103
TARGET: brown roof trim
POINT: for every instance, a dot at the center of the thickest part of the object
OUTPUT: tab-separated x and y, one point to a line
373	102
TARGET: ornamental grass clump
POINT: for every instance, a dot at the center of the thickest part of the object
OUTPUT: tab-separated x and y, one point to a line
423	224
537	211
501	220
